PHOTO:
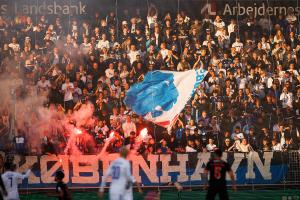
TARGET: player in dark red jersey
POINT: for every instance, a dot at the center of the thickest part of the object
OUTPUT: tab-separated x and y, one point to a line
217	169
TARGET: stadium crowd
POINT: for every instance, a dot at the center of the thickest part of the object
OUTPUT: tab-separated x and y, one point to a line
250	99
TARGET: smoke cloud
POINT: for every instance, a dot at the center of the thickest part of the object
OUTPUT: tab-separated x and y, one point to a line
39	123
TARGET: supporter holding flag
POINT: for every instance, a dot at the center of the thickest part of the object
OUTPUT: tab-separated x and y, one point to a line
162	95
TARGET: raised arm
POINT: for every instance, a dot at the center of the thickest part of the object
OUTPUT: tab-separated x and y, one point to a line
103	182
23	176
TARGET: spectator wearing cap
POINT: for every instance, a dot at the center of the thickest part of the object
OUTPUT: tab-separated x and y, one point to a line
164	149
208	40
214	127
226	146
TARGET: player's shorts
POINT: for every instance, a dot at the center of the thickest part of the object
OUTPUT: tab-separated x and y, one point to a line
213	191
128	195
117	196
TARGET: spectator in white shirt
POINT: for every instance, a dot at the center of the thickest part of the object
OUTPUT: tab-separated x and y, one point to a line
286	98
77	92
14	45
191	126
222	33
85	46
218	23
292	69
208	40
163	50
190	147
43	85
68	88
291	18
210	146
133	53
276	146
237	133
128	127
244	147
115	115
101	127
238	45
265	45
231	27
109	72
103	43
152	16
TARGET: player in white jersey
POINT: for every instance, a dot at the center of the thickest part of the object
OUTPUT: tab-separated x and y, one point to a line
11	180
119	170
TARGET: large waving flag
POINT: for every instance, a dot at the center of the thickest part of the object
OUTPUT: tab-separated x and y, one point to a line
162	95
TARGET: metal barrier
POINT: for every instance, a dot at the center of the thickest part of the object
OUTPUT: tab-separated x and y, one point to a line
293	175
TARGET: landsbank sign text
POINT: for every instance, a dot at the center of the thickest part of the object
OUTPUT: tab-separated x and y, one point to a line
43	7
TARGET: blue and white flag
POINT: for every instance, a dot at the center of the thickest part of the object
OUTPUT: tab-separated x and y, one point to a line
162	95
